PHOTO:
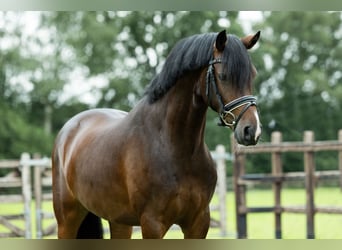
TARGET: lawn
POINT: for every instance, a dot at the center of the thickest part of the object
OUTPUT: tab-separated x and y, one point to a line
260	225
327	226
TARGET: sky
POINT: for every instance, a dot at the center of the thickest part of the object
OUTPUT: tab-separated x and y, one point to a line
247	18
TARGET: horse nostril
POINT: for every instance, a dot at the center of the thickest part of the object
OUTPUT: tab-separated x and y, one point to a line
248	134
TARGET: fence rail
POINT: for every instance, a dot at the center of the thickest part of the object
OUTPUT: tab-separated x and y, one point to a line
310	176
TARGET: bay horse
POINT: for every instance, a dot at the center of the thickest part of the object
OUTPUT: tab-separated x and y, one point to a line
150	167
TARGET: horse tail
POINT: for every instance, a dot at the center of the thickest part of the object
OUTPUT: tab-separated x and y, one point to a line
91	228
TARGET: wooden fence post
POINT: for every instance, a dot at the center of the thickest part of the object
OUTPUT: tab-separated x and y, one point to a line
340	157
240	191
38	198
26	190
309	166
277	171
221	185
222	189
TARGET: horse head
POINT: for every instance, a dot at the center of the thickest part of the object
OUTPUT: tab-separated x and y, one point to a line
229	86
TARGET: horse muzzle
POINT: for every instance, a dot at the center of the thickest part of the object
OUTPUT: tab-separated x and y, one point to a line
248	131
248	135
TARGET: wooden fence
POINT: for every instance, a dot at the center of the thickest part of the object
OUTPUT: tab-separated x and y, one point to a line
13	180
19	176
276	148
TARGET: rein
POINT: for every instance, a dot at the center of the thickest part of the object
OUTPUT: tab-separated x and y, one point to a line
226	110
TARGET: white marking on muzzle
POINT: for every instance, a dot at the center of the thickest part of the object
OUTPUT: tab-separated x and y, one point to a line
258	130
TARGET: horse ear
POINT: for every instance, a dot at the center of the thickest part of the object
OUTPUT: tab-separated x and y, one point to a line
251	40
221	40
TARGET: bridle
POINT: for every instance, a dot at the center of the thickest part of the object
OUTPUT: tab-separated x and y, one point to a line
226	110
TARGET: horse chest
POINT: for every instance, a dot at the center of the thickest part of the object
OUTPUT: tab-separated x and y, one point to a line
188	181
194	185
192	191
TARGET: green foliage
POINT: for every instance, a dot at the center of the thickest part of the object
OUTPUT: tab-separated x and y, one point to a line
299	72
18	136
297	58
105	41
304	93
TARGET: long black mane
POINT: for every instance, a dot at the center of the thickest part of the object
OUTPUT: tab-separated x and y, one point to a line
195	52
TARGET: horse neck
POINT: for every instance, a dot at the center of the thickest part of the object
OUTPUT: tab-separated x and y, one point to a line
185	113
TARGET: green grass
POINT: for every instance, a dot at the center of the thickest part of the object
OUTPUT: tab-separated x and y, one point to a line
260	225
327	226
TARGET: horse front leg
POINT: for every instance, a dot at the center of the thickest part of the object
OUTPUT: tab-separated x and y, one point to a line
119	231
152	228
197	227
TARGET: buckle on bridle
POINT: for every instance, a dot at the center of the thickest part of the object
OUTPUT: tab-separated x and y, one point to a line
228	109
223	119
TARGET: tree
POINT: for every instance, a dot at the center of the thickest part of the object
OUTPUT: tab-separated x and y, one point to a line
16	134
299	71
129	48
122	49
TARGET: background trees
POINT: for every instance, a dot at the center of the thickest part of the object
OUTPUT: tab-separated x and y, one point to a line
106	59
299	79
302	79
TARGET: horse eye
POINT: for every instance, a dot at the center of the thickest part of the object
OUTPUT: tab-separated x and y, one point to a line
222	76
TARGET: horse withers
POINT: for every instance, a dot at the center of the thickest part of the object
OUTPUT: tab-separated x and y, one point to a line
150	167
